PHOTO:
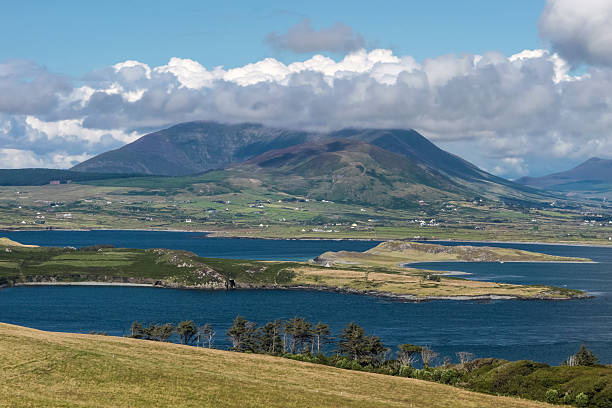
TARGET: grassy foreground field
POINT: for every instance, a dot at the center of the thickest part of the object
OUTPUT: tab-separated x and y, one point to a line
44	369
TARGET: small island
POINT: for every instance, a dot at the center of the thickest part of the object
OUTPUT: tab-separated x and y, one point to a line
377	272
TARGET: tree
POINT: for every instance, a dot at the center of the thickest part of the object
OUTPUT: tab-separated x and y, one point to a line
464	356
207	335
355	344
407	354
301	334
242	335
269	339
376	351
156	332
136	331
584	357
428	356
187	331
352	342
159	332
321	333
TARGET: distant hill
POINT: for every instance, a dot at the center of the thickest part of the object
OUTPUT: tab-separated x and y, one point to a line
38	177
594	175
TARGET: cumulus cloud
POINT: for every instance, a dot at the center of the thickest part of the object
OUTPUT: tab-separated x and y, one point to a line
580	30
302	38
28	88
510	110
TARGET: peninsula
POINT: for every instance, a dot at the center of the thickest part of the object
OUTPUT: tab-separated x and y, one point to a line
379	275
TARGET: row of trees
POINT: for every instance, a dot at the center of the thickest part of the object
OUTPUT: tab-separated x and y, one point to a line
293	336
298	336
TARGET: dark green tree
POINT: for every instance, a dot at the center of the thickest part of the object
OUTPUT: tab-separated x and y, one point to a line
269	337
242	335
187	331
301	334
159	332
364	349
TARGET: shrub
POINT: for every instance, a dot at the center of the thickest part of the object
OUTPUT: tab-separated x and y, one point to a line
449	376
552	395
406	371
348	364
582	399
568	398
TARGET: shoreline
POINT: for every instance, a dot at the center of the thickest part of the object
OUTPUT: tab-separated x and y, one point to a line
208	234
87	283
409	298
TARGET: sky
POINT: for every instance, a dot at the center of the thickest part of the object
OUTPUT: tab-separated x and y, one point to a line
518	88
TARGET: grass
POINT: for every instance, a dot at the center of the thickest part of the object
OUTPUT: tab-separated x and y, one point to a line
415	283
174	268
43	369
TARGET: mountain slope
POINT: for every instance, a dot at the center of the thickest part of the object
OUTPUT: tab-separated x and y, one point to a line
191	148
348	170
593	174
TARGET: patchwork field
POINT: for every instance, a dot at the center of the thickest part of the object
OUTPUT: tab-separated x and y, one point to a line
240	206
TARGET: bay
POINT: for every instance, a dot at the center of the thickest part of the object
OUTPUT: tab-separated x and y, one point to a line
546	331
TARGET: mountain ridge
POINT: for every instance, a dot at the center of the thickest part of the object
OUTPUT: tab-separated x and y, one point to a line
592	174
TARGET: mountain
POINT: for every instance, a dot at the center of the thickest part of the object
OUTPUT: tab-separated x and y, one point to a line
594	174
387	167
192	148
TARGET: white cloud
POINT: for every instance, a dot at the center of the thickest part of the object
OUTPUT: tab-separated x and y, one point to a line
516	107
74	127
512	166
581	30
16	158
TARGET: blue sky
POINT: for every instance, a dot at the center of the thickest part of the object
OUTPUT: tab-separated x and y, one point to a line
518	88
75	37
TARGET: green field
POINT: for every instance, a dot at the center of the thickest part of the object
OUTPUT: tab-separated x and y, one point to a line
43	369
